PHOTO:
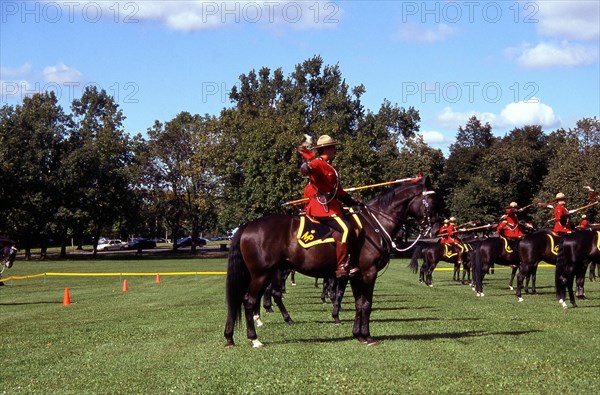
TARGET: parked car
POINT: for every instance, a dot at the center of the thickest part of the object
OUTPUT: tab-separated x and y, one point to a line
112	245
187	242
140	244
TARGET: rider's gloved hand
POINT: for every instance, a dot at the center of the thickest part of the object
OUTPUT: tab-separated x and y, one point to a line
305	169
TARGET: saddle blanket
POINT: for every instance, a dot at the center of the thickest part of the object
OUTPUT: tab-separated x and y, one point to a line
311	232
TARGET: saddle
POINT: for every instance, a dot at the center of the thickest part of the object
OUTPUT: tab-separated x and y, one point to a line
311	232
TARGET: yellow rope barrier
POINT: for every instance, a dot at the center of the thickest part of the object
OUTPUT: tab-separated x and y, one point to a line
106	274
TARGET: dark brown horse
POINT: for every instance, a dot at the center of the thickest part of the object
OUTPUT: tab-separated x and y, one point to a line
432	253
262	249
532	249
497	250
576	251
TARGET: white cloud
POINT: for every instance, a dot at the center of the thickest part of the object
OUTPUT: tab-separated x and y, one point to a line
549	55
413	32
578	20
194	15
519	114
454	119
434	138
61	74
532	112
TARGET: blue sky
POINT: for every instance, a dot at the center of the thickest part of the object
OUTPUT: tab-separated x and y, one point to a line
510	63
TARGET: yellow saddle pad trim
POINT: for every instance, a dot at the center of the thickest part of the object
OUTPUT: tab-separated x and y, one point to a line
553	246
506	245
449	254
598	240
307	238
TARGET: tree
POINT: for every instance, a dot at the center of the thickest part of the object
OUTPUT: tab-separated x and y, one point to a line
98	165
257	161
471	143
31	138
180	174
573	166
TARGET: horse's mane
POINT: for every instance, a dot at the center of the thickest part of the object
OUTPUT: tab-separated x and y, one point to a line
386	198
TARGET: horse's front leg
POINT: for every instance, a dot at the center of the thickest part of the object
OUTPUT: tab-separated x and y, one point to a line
456	274
429	275
363	295
466	273
513	273
523	272
580	280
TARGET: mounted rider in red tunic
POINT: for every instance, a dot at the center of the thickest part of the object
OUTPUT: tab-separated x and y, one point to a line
447	232
562	216
325	195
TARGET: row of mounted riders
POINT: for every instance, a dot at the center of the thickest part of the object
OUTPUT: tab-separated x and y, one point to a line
263	250
568	247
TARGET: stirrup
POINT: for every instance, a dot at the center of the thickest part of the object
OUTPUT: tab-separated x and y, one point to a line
342	271
353	271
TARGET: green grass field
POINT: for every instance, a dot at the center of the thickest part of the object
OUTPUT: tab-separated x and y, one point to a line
167	337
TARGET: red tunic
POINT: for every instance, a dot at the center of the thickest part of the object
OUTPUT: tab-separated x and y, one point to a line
513	228
448	238
325	190
501	229
583	224
561	216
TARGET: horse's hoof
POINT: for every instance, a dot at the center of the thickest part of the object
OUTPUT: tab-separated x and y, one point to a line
256	343
511	288
563	304
430	285
371	342
229	343
290	321
258	321
520	299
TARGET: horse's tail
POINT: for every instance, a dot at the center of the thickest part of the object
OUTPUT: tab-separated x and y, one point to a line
414	261
236	283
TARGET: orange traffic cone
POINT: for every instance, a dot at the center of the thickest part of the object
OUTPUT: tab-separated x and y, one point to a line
66	297
125	286
157	278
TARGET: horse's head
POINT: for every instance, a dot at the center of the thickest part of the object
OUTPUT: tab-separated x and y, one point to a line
410	200
423	208
8	253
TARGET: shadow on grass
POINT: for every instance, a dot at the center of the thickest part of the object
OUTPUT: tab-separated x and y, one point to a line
421	336
29	303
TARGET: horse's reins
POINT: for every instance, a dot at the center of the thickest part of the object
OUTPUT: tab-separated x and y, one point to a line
387	237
